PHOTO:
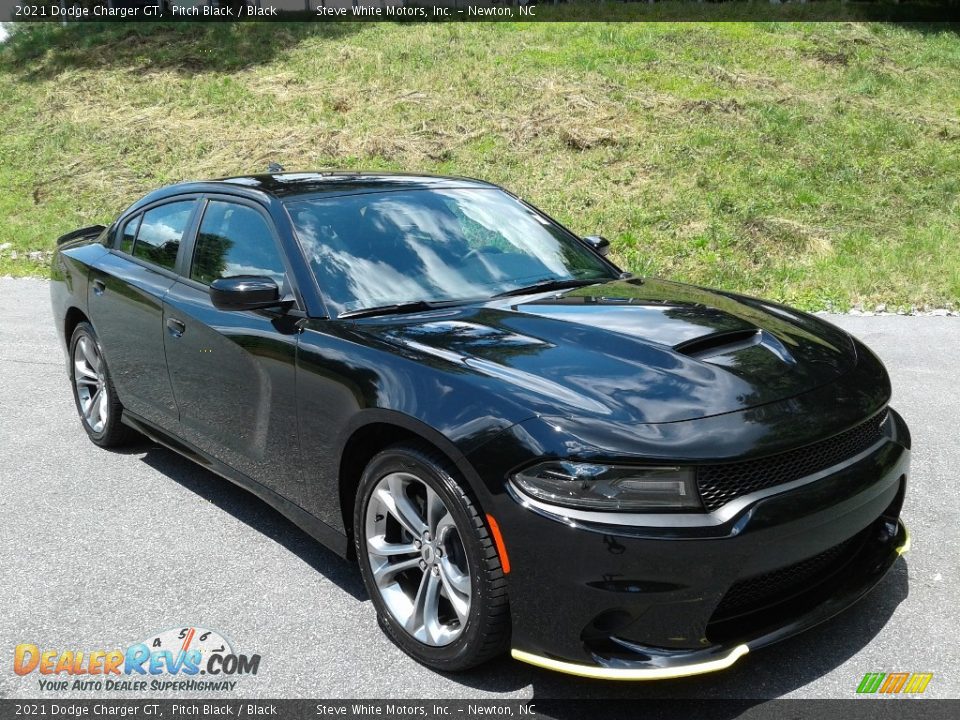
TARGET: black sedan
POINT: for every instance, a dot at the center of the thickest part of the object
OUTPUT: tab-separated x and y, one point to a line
524	447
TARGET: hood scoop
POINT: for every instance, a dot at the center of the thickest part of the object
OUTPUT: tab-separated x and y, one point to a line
722	346
721	343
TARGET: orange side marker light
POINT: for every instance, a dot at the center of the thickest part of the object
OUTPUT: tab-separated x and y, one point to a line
501	548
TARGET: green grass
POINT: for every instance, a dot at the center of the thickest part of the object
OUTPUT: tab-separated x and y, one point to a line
817	164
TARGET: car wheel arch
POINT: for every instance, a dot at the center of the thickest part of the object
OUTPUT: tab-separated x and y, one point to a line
376	431
73	317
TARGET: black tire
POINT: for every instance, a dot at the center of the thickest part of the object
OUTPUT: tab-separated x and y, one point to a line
113	433
486	632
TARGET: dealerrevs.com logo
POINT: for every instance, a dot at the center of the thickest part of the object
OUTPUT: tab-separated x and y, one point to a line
187	659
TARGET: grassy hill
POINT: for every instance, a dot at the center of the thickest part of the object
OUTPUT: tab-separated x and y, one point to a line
817	164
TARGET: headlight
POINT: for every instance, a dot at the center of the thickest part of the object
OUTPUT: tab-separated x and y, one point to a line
610	487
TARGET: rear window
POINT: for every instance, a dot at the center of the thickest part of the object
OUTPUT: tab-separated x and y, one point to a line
160	232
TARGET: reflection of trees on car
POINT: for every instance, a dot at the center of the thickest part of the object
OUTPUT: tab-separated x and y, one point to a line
210	258
158	238
164	254
234	240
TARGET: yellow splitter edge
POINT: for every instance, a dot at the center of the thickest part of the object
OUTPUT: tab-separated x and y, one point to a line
602	673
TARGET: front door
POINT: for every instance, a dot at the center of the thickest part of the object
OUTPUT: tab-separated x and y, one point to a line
233	372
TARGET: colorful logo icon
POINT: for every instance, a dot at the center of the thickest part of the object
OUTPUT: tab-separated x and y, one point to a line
894	683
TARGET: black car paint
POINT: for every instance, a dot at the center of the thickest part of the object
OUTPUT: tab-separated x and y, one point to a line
280	401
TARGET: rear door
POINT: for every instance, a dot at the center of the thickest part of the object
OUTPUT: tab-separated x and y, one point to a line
125	302
233	372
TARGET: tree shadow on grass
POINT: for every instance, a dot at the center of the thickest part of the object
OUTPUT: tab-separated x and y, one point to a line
43	51
929	28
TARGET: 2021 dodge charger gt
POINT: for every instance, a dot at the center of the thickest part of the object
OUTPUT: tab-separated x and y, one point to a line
524	447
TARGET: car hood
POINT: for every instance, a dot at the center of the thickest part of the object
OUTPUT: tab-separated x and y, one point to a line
646	351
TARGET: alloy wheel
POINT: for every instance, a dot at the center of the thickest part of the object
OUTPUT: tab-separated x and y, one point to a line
417	558
88	374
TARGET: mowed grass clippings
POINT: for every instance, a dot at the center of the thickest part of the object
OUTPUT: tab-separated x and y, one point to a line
817	164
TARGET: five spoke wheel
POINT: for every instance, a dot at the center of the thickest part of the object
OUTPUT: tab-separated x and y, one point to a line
417	559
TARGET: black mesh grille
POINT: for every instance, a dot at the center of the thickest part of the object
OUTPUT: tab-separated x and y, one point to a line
719	484
760	591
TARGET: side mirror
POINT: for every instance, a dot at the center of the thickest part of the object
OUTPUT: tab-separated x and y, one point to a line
244	292
600	245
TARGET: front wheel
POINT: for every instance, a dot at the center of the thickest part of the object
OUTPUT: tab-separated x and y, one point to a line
428	562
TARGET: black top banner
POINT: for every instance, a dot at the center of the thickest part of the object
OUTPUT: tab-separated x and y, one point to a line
477	10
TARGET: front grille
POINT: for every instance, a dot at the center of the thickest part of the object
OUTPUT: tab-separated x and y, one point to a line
719	484
761	591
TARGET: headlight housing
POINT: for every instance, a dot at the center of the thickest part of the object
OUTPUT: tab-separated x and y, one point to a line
610	487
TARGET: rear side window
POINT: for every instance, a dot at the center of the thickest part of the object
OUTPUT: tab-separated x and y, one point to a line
129	235
161	230
234	240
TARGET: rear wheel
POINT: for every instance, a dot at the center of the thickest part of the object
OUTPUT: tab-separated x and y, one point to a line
93	390
428	562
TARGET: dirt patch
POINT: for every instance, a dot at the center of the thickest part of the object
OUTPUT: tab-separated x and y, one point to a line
340	104
829	57
580	138
727	106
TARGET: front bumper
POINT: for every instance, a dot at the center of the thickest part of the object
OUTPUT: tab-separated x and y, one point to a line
648	601
653	665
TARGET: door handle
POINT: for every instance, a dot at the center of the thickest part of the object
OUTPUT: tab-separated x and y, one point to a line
98	287
176	327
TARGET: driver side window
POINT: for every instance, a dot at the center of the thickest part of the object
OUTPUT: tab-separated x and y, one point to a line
233	240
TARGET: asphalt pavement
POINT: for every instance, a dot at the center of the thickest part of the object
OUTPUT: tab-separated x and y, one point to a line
101	549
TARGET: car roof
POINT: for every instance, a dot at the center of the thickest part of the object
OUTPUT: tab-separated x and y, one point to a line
294	186
287	185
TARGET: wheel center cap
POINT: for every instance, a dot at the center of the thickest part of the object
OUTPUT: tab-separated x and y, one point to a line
428	554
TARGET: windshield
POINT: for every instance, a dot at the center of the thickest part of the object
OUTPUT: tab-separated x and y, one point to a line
391	248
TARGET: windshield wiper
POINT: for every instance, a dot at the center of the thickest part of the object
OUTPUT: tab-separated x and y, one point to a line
550	284
421	305
398	308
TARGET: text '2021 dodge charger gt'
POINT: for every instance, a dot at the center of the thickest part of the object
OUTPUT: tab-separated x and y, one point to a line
524	447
